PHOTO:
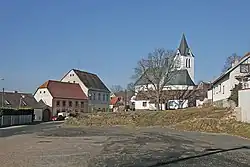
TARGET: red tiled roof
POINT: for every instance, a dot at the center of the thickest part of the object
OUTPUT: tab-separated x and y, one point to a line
64	90
114	100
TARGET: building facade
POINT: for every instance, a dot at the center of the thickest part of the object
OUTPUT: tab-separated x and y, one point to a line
223	85
62	97
97	92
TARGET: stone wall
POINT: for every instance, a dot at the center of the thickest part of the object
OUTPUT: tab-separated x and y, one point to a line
225	103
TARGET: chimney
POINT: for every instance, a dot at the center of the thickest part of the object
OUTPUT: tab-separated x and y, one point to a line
235	61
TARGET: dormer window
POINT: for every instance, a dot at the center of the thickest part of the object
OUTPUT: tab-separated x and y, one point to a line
24	103
6	102
244	68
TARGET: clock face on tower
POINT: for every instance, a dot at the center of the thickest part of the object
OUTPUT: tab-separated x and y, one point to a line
244	68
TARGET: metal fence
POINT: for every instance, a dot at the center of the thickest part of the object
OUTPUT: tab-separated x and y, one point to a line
8	120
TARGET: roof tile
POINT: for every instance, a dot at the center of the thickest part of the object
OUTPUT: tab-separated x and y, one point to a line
64	90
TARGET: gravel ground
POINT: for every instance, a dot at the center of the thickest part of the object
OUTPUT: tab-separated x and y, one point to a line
117	146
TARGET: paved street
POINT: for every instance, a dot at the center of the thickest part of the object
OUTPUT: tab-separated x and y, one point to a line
51	145
27	129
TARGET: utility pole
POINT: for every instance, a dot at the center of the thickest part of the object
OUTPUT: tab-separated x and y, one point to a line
2	100
125	99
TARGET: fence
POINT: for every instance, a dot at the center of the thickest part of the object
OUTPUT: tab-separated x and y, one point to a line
9	117
8	120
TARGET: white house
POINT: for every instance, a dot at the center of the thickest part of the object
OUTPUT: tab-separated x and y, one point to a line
183	79
62	97
97	92
222	86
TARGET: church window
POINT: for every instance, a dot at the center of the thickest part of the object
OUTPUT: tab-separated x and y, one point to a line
188	63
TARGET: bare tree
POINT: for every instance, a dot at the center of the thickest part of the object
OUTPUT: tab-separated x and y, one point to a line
229	61
116	88
155	72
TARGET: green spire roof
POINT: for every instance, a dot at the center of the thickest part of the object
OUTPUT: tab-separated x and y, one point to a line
183	48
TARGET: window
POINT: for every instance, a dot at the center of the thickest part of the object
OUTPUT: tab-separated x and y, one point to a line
40	91
57	111
76	104
107	97
93	96
82	104
244	68
58	103
133	103
99	96
43	91
188	63
82	110
220	87
70	103
223	89
103	97
64	103
246	85
144	104
74	81
90	96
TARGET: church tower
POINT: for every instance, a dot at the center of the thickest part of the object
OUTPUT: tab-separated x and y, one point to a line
186	57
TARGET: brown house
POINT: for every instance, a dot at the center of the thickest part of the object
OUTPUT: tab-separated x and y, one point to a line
62	97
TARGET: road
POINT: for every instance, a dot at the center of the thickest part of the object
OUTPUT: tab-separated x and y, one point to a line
51	145
27	129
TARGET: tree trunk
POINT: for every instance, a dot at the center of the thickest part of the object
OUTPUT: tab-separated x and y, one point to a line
158	102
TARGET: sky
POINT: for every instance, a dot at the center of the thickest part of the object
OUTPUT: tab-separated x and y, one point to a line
42	40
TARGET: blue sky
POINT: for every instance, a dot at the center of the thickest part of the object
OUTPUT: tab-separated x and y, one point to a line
41	40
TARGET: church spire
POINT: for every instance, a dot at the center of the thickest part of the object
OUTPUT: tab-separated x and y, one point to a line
183	48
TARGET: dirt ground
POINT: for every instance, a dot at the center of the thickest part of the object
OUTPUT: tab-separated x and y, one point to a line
119	146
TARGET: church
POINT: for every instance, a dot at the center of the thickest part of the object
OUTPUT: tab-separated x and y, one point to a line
178	88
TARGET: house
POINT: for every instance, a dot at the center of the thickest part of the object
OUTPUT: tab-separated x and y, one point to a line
181	83
201	93
17	100
62	97
222	86
97	92
120	99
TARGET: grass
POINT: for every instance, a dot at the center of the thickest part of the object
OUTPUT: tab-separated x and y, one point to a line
216	120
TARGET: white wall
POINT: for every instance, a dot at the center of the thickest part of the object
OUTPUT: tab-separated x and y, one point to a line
169	87
228	82
38	114
139	105
44	95
209	94
221	90
93	102
244	96
73	78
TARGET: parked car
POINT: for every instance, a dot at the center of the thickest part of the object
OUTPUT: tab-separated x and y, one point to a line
54	118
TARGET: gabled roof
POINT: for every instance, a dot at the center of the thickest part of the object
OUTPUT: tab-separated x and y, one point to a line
91	81
178	77
23	100
67	90
183	48
114	100
244	58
